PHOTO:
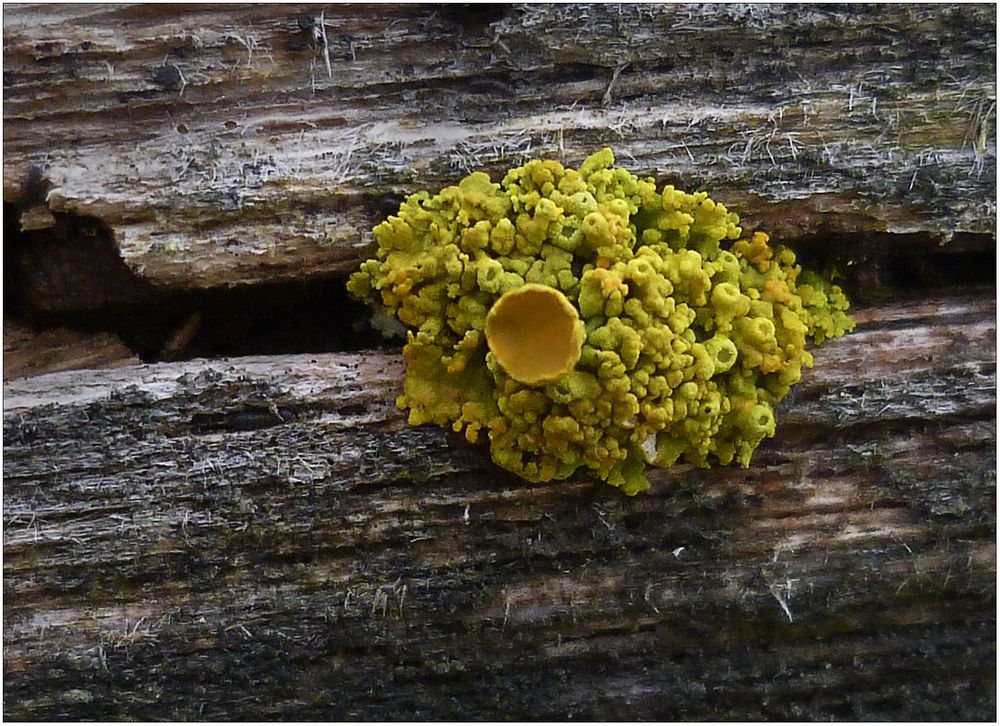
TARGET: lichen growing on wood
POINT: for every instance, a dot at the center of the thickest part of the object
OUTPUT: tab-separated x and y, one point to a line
690	337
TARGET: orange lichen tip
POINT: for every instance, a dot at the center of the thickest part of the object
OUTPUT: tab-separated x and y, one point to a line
535	334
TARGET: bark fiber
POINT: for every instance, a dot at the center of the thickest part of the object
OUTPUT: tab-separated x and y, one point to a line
238	144
265	538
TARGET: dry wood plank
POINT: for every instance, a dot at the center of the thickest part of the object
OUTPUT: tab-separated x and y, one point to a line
233	144
265	538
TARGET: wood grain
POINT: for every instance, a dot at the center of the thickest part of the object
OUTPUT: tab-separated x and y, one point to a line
238	144
30	352
265	537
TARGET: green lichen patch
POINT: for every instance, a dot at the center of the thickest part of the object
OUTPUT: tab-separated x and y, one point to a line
693	333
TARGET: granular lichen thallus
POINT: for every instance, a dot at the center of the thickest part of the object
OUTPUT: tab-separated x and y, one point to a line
583	318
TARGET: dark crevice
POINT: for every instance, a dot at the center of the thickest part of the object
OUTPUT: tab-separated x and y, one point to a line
471	18
68	274
69	266
879	267
312	316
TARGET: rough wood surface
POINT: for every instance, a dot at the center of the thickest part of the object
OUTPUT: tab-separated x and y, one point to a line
265	538
236	144
28	352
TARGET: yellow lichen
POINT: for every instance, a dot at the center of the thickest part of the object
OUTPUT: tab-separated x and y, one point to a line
583	318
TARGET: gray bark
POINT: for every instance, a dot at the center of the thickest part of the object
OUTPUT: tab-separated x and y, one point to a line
264	537
232	145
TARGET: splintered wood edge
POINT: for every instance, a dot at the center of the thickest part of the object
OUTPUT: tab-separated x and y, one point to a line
196	195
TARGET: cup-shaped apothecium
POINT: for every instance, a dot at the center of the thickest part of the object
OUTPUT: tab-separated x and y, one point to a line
535	334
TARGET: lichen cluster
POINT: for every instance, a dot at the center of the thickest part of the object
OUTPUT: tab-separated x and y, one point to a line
687	346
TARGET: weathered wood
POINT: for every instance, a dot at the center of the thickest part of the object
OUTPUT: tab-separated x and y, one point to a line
237	144
265	538
28	352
